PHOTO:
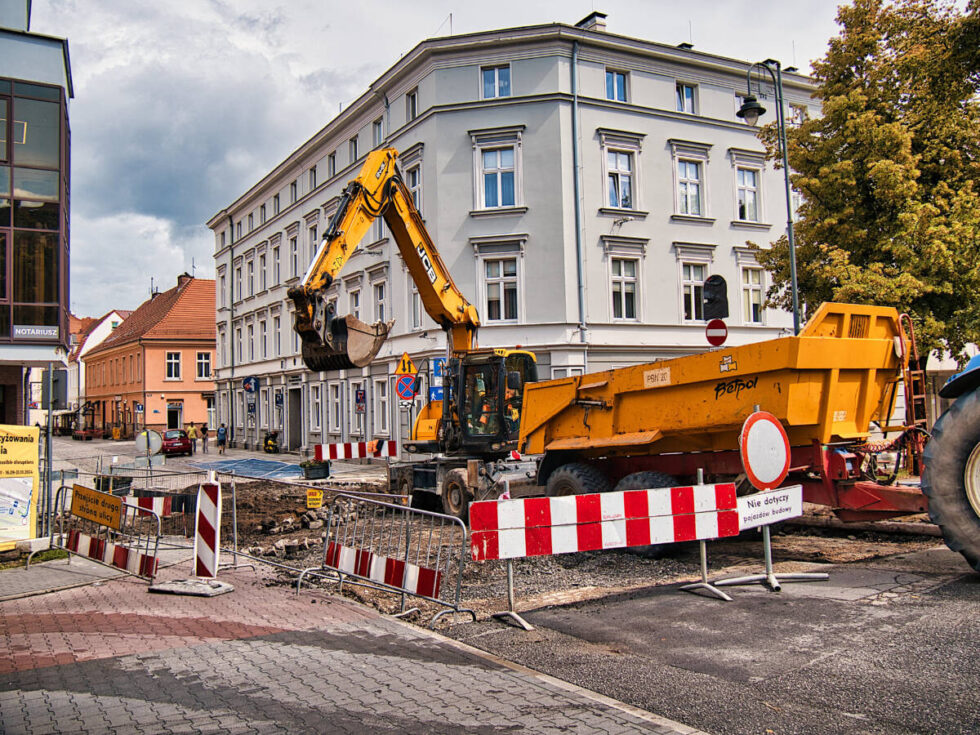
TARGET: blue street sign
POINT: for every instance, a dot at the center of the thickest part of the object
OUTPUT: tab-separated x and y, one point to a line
439	367
138	408
279	398
250	384
435	393
405	387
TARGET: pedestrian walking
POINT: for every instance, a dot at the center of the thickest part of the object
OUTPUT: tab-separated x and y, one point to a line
222	436
192	435
204	438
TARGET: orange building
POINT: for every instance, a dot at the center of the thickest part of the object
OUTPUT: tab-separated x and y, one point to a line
155	369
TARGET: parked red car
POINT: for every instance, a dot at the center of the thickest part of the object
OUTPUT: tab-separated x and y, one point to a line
175	441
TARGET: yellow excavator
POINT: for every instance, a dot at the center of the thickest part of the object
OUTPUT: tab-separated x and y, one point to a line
479	414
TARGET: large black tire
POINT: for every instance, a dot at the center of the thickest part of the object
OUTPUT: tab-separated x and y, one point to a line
951	478
456	495
577	478
647	480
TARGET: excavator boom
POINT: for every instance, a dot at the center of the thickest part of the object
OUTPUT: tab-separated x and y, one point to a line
330	342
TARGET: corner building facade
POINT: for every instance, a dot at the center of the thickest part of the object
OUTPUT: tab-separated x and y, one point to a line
580	186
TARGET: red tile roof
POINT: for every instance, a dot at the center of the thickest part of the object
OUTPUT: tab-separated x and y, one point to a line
185	312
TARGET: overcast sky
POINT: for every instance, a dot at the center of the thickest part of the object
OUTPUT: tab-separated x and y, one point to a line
180	106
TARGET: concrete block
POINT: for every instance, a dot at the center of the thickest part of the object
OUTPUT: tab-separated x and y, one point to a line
30	545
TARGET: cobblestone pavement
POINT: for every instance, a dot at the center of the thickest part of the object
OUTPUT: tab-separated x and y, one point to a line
111	657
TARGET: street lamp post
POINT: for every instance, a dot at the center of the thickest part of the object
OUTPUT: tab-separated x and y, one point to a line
750	111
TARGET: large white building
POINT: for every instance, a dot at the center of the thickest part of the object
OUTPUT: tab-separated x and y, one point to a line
580	186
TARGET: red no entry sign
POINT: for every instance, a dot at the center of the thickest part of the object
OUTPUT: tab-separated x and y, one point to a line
764	447
716	332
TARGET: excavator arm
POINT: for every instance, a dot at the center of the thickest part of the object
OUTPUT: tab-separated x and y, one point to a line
330	342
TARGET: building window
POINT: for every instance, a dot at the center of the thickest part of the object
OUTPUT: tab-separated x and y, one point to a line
250	270
313	243
501	289
332	164
276	274
238	230
265	407
238	343
204	365
352	149
293	192
379	301
798	114
251	222
315	407
377	132
276	335
334	415
689	187
275	204
222	238
416	308
358	406
381	406
412	105
615	85
354	301
686	98
262	214
752	295
620	176
238	283
747	180
262	277
222	288
413	180
263	345
693	275
250	330
293	257
498	177
173	366
496	81
624	282
312	178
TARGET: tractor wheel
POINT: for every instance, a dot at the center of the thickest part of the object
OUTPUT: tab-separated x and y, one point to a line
951	478
647	480
455	495
575	479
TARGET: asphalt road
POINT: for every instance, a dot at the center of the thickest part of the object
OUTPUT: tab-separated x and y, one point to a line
887	646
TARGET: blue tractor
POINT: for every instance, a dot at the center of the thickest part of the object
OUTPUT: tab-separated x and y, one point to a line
951	476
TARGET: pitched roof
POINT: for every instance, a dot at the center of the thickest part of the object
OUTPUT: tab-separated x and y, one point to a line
184	312
82	328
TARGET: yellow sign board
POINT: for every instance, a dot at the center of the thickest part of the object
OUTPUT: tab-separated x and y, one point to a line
314	498
18	484
406	366
101	508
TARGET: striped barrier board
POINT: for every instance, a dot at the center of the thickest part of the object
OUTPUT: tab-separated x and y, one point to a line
121	557
355	450
509	529
207	530
159	504
413	579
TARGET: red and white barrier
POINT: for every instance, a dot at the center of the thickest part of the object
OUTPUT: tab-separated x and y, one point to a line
160	504
115	555
355	450
508	529
207	530
413	579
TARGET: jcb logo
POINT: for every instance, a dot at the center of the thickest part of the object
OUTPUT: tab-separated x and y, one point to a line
426	263
381	170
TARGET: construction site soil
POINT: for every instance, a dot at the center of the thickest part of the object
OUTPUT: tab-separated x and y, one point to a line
275	524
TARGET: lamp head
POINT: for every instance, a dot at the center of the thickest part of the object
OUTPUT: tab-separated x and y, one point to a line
751	110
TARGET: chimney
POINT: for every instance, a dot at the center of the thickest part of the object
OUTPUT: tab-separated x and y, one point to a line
183	279
594	22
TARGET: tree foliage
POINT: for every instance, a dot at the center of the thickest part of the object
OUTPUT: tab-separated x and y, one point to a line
890	171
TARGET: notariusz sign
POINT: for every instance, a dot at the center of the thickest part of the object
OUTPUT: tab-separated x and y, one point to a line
28	331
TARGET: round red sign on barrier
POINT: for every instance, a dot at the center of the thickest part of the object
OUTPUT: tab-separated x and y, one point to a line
716	332
764	447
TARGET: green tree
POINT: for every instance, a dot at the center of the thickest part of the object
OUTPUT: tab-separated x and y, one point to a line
890	172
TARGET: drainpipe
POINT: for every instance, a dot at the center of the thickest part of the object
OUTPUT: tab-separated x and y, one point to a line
231	329
577	186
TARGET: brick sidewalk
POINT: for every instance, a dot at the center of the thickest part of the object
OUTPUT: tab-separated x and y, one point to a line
114	658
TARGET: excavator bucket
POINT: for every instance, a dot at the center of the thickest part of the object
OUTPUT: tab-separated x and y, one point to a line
348	342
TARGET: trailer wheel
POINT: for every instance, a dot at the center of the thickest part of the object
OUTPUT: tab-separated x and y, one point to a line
576	478
951	478
456	495
647	480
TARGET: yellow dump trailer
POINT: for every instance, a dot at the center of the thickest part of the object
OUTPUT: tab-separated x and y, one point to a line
659	423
